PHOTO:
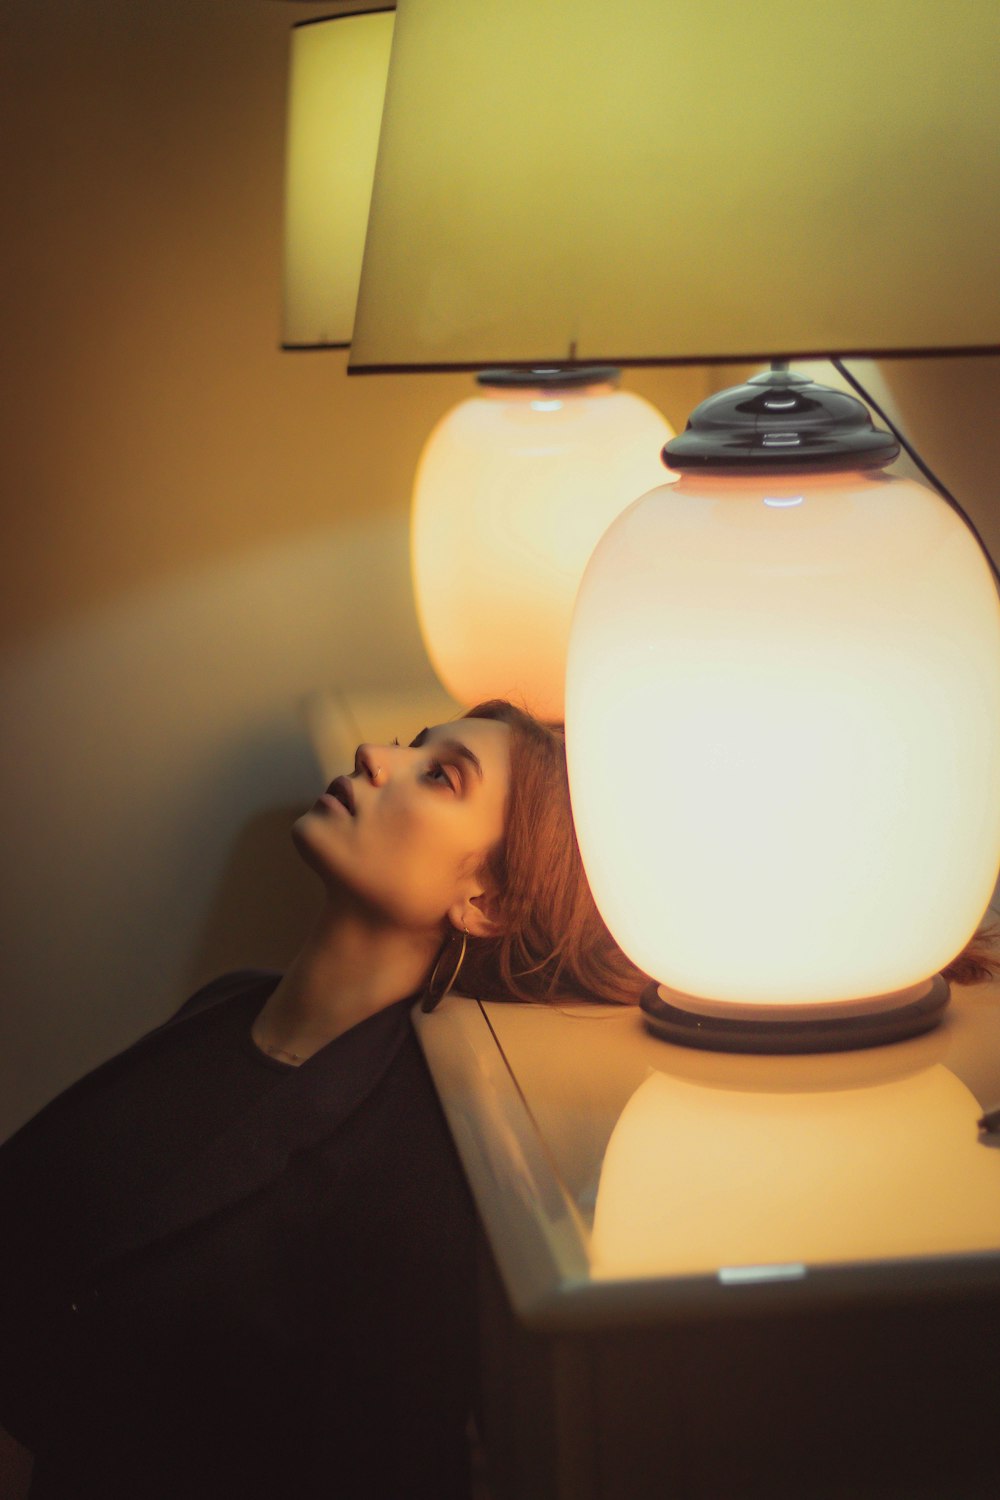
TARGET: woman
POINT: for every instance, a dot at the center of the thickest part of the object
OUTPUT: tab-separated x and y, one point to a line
237	1259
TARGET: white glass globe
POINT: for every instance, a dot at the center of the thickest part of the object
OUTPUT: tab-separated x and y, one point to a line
783	723
514	488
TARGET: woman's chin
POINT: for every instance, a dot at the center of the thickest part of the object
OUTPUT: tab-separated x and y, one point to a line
310	850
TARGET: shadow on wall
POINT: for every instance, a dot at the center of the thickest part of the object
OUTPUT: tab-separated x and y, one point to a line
140	746
161	880
262	905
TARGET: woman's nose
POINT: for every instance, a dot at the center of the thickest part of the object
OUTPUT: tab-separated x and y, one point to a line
370	760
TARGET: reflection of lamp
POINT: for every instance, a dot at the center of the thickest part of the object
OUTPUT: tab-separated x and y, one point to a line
336	91
514	489
805	654
764	1184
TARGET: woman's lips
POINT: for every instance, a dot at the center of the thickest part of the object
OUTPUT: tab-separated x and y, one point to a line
340	793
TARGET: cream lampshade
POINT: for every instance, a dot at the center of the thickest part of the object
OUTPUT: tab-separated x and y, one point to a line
514	489
803	655
697	180
336	91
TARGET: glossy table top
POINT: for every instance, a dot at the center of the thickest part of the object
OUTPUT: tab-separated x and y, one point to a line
622	1179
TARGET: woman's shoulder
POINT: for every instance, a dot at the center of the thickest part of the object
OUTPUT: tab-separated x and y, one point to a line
230	987
234	985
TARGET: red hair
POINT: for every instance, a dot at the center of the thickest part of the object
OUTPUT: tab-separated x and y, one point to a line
978	960
552	941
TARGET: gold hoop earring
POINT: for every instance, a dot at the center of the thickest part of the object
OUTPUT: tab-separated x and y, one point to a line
432	997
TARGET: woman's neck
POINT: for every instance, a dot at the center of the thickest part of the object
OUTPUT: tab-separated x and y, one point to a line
351	965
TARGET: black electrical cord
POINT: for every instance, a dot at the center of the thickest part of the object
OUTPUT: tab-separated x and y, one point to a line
927	472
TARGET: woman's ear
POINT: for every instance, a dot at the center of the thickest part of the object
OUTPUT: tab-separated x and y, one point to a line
479	916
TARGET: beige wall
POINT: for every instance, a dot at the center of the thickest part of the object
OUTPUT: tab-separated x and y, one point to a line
199	531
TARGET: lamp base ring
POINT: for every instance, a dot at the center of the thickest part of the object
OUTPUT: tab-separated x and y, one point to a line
796	1028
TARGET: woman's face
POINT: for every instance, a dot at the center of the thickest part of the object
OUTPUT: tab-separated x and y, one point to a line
408	831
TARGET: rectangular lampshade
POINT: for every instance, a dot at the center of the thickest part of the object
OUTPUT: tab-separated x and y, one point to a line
695	181
336	90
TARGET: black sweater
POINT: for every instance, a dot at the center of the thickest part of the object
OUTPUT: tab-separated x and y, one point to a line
223	1276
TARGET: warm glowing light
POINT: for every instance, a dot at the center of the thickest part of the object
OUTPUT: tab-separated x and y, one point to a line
784	735
514	489
336	92
704	1180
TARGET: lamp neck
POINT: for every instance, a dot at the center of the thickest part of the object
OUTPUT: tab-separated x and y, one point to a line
550	379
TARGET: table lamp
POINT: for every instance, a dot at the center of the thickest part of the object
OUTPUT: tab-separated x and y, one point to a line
783	725
515	485
546	194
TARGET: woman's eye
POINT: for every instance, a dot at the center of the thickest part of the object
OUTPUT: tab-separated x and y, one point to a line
442	774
